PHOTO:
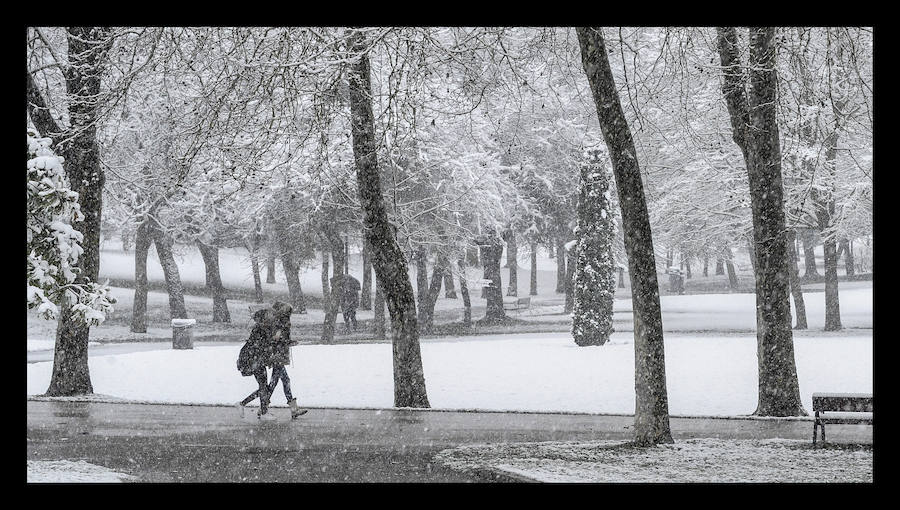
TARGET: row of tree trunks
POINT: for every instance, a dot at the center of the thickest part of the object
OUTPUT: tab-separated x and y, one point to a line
651	413
387	258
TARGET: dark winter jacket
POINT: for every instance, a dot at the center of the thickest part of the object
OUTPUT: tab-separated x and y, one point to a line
349	292
280	339
255	353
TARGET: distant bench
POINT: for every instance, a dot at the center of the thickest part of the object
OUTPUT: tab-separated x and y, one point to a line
841	408
522	303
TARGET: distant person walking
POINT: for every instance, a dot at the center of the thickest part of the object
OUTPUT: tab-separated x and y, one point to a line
349	300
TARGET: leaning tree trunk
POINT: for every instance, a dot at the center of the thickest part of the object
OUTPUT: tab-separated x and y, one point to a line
732	274
426	313
560	265
141	249
365	299
449	286
796	288
174	288
270	268
292	276
825	210
847	248
595	283
512	258
651	417
755	131
464	291
87	49
533	288
210	256
254	265
491	251
387	257
720	266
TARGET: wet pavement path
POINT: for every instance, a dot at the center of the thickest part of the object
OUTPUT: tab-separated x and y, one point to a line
184	443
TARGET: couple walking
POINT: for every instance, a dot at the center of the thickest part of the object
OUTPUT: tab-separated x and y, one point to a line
269	345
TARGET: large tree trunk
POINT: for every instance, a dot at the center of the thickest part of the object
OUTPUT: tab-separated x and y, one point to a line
174	288
421	278
449	286
387	257
512	257
560	265
533	287
491	251
210	256
464	290
847	251
141	249
365	299
651	417
796	288
808	236
270	268
755	131
87	48
706	265
720	266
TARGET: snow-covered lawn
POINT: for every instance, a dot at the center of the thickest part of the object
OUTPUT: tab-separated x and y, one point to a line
691	460
66	471
706	375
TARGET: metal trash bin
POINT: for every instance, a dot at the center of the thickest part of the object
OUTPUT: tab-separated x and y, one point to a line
183	333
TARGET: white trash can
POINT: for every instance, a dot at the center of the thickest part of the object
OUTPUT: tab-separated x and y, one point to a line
183	333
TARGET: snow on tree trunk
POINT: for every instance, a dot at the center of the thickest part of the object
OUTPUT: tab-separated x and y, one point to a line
560	265
387	257
141	249
333	303
464	291
174	288
491	252
512	256
651	417
755	130
365	299
808	236
595	284
533	287
210	256
796	288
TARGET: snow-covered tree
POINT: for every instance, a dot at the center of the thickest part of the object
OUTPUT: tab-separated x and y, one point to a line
54	242
595	283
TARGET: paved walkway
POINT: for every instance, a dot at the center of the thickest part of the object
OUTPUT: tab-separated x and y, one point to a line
180	443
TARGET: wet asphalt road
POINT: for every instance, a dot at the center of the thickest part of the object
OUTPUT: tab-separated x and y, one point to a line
177	443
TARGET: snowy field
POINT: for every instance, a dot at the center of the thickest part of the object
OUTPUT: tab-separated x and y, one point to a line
66	471
704	460
706	375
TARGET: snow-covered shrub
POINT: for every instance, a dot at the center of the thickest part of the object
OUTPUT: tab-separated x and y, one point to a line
53	245
595	283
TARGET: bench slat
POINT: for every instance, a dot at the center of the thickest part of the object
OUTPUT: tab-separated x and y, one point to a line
859	403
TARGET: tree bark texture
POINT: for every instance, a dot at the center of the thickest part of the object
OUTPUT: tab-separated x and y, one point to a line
333	304
512	257
533	287
796	287
464	291
571	257
560	265
491	252
378	319
808	236
174	288
254	265
387	257
210	256
365	299
292	276
270	269
421	279
426	314
651	418
141	249
755	130
733	283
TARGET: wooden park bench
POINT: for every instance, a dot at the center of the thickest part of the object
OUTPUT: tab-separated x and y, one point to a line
841	408
522	303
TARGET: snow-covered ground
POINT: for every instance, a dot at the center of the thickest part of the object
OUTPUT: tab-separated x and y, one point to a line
66	471
706	375
704	460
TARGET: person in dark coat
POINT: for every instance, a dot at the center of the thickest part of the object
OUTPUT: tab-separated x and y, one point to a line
275	352
349	300
253	359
